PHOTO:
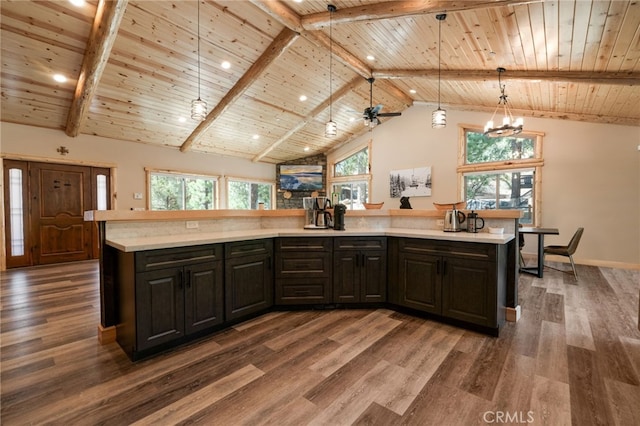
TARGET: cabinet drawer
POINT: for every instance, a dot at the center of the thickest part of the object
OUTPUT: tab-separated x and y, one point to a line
360	243
149	260
315	264
313	290
464	249
306	244
248	248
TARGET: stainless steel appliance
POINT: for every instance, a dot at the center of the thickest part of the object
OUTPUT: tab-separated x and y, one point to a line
474	222
453	220
316	214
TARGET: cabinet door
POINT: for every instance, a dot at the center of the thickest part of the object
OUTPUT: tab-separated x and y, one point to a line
203	296
419	281
160	307
469	291
346	276
373	276
248	285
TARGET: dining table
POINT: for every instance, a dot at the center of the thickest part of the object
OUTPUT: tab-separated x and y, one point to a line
538	270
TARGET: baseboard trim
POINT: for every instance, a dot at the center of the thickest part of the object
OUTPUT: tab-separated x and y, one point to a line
106	335
513	314
589	262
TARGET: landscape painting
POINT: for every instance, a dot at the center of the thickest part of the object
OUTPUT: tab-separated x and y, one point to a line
301	178
410	182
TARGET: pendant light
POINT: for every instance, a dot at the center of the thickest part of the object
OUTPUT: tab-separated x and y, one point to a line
198	106
439	116
330	128
509	126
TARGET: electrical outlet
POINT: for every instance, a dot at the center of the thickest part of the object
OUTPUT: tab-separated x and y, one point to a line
440	222
192	224
137	195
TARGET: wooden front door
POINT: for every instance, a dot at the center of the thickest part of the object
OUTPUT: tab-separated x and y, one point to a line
60	194
54	199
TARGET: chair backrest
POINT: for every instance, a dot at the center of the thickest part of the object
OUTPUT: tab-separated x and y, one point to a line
573	244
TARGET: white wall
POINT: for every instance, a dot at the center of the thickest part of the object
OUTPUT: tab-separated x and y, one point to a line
591	176
129	158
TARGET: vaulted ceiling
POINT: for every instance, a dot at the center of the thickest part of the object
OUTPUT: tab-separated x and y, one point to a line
132	66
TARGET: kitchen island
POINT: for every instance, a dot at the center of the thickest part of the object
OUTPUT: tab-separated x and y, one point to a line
224	272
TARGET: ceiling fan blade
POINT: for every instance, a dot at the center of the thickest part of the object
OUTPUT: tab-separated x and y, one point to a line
389	114
377	109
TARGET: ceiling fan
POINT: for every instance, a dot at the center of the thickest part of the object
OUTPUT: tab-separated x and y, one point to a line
372	113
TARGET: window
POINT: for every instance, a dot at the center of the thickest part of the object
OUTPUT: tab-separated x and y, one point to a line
16	213
351	180
247	195
502	173
174	191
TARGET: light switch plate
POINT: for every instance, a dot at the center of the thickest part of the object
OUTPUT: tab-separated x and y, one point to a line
192	224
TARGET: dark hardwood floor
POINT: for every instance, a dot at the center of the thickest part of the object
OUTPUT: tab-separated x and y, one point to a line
573	358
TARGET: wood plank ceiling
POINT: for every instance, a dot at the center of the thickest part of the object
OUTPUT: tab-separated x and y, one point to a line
132	66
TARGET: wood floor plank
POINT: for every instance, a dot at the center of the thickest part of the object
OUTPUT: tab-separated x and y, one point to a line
578	328
552	361
202	398
624	402
514	389
375	414
550	402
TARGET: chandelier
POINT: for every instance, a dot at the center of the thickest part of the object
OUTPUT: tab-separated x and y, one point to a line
198	106
439	116
330	128
509	126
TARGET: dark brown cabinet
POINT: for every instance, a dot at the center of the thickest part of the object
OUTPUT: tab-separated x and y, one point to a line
359	269
168	295
459	280
248	278
303	270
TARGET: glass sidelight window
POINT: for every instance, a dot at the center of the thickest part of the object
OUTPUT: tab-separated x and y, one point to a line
16	212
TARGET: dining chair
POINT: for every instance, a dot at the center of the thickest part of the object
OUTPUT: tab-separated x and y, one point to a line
567	250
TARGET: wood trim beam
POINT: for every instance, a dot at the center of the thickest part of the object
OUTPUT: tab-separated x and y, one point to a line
626	78
103	34
397	9
343	91
275	49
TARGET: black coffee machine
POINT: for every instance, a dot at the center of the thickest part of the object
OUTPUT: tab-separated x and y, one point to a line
339	211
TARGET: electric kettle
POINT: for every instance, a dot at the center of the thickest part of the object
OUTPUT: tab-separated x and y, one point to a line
452	220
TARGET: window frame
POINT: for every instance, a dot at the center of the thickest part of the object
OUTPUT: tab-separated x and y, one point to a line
229	179
215	178
535	163
367	178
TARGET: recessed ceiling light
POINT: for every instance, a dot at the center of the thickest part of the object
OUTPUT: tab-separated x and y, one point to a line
306	148
60	78
303	98
77	3
226	65
371	57
255	137
182	119
352	119
412	91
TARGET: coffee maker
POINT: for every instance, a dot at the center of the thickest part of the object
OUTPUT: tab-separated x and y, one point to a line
316	214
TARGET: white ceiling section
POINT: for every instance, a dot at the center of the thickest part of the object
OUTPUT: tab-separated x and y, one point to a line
134	73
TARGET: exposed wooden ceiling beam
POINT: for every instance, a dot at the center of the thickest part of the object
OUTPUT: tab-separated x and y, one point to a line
103	34
343	91
397	9
275	49
617	78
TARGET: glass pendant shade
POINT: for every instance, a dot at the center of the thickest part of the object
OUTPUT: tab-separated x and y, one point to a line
439	119
330	129
198	109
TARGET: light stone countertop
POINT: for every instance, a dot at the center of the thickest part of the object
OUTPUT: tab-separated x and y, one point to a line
170	241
